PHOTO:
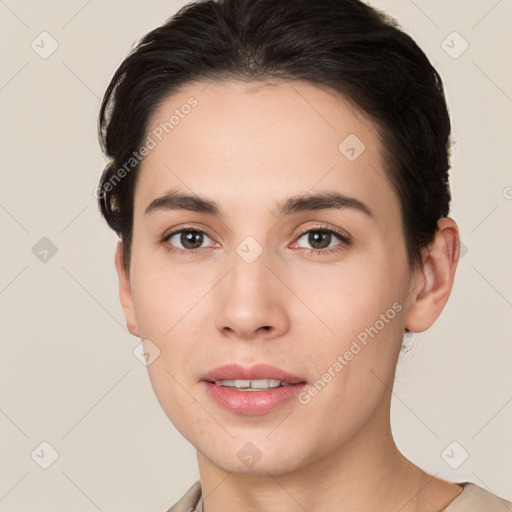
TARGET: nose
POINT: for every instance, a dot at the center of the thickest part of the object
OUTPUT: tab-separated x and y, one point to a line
251	301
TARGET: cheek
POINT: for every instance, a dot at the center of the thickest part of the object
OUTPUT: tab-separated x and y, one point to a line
355	358
165	306
347	299
166	295
171	309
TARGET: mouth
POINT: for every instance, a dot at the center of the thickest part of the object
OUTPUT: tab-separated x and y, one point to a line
254	390
252	385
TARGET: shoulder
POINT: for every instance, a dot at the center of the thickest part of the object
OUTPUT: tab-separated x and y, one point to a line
189	501
474	498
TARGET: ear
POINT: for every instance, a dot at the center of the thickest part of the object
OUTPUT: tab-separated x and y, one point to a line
434	281
125	292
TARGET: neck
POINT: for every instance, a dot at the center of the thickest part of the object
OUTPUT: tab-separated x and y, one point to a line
367	472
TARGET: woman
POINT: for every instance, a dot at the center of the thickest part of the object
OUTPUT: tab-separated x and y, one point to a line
279	183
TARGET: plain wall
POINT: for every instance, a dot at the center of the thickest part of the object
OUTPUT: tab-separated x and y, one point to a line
68	375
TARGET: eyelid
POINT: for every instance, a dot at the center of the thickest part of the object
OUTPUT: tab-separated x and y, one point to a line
185	227
344	237
324	227
164	239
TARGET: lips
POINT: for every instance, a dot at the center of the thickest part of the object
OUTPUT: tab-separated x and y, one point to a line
260	371
226	385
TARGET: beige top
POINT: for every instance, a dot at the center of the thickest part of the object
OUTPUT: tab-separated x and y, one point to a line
473	498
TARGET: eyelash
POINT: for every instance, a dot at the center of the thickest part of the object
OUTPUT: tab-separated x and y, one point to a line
345	240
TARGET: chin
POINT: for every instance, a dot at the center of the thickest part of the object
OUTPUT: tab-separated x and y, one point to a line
248	458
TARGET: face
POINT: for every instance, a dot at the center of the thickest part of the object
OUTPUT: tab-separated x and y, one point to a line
252	270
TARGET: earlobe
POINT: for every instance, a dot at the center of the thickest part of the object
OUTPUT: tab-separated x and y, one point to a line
435	279
125	292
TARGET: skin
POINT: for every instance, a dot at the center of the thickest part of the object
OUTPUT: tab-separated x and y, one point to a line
248	147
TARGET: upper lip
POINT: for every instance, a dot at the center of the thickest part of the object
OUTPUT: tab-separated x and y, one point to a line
235	371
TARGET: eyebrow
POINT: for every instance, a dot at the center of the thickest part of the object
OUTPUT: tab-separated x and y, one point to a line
175	200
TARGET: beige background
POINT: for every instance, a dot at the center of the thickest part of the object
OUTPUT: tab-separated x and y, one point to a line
68	376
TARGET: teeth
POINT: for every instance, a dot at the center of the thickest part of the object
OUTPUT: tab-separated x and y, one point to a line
251	385
264	383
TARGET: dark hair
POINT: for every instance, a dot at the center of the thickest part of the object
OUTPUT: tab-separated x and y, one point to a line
342	44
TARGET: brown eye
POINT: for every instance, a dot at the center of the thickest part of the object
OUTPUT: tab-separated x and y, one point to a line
319	239
189	239
322	240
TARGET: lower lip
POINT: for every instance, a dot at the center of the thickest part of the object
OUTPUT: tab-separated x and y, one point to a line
253	402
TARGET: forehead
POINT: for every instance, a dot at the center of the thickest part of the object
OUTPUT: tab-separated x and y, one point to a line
263	141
